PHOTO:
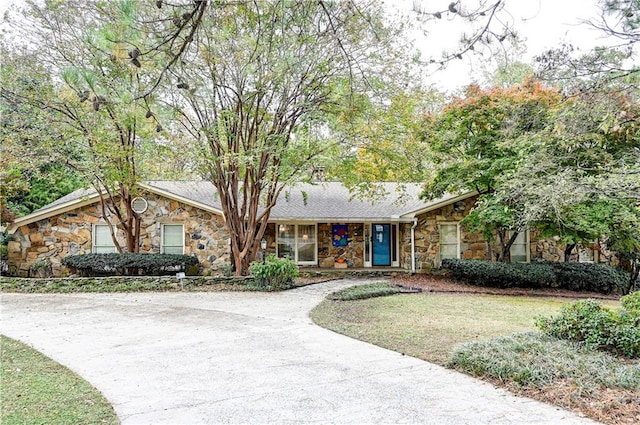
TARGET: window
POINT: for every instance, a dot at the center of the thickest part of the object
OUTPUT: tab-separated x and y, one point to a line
172	239
297	242
449	241
102	240
586	254
519	249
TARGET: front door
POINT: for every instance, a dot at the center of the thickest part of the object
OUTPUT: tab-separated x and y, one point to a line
381	244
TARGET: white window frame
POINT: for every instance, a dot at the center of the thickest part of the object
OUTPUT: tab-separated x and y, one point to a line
449	223
162	244
296	245
102	248
526	243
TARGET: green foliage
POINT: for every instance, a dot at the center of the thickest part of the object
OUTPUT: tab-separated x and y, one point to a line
129	263
530	360
361	292
120	284
274	273
4	240
500	275
598	327
590	277
573	276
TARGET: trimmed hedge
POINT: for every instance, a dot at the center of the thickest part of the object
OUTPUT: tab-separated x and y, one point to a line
129	263
599	278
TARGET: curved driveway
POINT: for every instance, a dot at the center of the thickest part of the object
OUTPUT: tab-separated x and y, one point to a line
207	358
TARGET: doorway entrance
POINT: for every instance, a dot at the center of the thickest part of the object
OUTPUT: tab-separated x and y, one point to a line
381	244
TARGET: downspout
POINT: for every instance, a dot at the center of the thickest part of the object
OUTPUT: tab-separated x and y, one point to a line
413	245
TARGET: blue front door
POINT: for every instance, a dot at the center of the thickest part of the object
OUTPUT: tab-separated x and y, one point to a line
381	244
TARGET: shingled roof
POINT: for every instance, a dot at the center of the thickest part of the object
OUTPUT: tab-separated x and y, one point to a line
320	202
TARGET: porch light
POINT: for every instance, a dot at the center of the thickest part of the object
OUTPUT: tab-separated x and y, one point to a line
305	237
263	244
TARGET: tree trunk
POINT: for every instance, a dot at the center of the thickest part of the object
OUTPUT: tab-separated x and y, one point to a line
505	244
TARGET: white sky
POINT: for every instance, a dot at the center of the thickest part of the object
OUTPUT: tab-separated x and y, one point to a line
541	23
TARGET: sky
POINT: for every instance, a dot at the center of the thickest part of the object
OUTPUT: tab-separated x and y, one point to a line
542	24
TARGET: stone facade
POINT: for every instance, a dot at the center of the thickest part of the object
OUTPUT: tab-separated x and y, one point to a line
427	237
48	241
473	245
353	253
327	254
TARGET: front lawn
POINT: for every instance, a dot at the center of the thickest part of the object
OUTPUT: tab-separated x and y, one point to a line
430	326
37	390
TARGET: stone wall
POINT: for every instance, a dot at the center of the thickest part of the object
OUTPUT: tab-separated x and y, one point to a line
473	245
48	241
353	253
427	237
551	249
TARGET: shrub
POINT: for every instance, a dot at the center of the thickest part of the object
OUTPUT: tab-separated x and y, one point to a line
274	272
501	275
129	263
598	327
365	291
590	277
573	276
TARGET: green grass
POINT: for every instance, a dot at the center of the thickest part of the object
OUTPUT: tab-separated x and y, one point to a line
429	326
37	390
494	337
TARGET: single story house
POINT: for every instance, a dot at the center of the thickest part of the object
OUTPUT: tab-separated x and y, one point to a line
317	225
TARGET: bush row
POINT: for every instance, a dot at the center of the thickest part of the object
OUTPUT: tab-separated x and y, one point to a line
588	321
599	278
130	264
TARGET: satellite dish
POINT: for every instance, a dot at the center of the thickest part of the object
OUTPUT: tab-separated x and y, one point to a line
139	205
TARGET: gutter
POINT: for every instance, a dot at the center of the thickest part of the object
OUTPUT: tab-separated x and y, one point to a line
413	245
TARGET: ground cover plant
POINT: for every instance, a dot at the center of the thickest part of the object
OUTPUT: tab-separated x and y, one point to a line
37	390
361	292
433	325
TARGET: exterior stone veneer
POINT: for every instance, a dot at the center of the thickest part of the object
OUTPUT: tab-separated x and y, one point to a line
206	237
71	233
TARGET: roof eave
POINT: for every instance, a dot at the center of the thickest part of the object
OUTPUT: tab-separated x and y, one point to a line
396	219
440	204
181	199
50	212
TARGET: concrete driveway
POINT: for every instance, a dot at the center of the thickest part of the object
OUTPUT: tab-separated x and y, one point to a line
207	358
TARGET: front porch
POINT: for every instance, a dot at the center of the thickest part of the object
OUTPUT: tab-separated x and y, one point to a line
358	272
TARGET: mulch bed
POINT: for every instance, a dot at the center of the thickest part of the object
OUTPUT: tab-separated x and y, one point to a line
444	284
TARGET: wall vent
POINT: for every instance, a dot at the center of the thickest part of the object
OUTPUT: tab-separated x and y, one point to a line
139	205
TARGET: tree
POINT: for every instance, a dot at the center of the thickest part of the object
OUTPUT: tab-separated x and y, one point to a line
472	145
32	175
262	72
93	63
579	178
385	141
